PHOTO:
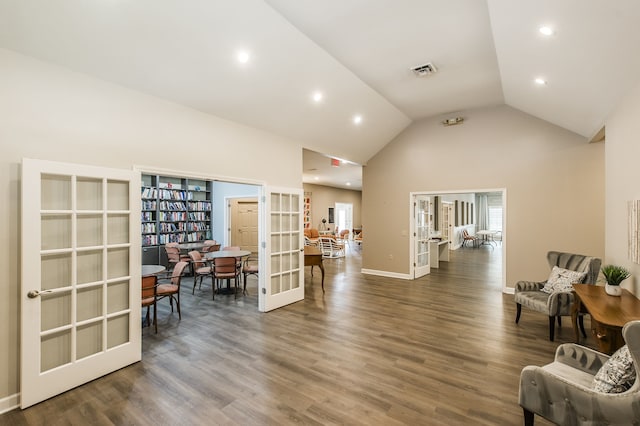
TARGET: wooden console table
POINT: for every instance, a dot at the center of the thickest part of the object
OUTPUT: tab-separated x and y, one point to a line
608	314
313	257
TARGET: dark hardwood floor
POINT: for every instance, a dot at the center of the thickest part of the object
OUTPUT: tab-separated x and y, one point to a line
440	350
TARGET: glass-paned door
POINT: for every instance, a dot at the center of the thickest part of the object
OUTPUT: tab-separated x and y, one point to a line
284	283
422	224
447	226
80	296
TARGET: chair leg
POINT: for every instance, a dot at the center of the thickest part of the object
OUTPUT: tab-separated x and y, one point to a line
559	321
155	316
581	324
178	304
552	329
518	311
528	417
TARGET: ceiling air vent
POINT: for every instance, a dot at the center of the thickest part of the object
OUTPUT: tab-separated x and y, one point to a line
424	70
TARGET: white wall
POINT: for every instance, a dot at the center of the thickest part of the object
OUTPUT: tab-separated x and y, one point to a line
554	181
47	112
622	181
222	190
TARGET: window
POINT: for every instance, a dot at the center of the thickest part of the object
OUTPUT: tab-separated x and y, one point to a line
495	218
344	216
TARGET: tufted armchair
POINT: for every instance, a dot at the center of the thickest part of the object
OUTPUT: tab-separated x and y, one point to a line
558	304
563	393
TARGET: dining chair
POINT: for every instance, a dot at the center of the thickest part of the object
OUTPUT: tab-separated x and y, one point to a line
171	289
343	238
150	298
249	267
226	268
209	246
201	269
173	255
330	248
466	237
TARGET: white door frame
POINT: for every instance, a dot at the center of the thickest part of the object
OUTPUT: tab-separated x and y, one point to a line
505	288
227	215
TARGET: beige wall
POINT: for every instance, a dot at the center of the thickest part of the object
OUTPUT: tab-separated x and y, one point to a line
50	113
324	197
622	181
554	181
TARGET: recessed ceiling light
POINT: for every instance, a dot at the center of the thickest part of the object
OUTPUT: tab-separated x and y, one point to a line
317	96
357	119
316	178
540	81
546	30
243	56
348	183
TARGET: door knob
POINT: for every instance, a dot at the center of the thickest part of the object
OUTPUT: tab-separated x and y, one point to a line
35	293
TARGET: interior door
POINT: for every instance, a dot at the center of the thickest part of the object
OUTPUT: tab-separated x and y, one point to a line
80	297
245	224
422	224
447	226
284	283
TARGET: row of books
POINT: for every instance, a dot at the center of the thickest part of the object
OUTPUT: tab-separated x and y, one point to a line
146	216
168	205
149	240
167	194
148	228
197	226
180	237
149	205
172	226
204	206
203	217
173	217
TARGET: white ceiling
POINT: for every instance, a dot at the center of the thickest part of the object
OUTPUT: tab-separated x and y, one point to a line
357	52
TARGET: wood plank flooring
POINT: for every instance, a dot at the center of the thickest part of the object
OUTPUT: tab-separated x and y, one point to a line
441	350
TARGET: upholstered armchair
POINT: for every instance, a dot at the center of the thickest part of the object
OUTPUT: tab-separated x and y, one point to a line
572	390
557	303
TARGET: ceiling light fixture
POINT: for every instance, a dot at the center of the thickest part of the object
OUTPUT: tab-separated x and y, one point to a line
453	121
540	81
316	178
317	96
546	30
243	56
348	183
357	119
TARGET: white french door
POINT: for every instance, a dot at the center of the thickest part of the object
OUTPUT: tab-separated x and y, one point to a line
284	256
80	297
421	226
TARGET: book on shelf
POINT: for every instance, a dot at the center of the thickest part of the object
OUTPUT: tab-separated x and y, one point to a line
149	193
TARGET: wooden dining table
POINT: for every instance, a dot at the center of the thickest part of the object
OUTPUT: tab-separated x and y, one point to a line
313	257
148	270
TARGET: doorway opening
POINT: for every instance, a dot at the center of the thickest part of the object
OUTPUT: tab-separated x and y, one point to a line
447	216
344	216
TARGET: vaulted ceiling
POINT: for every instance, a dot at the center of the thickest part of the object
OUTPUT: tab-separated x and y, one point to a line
356	53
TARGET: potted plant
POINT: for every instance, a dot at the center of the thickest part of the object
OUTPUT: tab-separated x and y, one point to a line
614	275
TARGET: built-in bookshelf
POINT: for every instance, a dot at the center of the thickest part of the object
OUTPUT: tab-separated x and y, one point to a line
307	210
175	210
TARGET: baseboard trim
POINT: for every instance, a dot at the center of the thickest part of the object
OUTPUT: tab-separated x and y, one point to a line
9	403
386	274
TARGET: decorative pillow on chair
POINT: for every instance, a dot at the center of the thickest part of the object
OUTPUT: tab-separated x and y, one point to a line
617	374
561	280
